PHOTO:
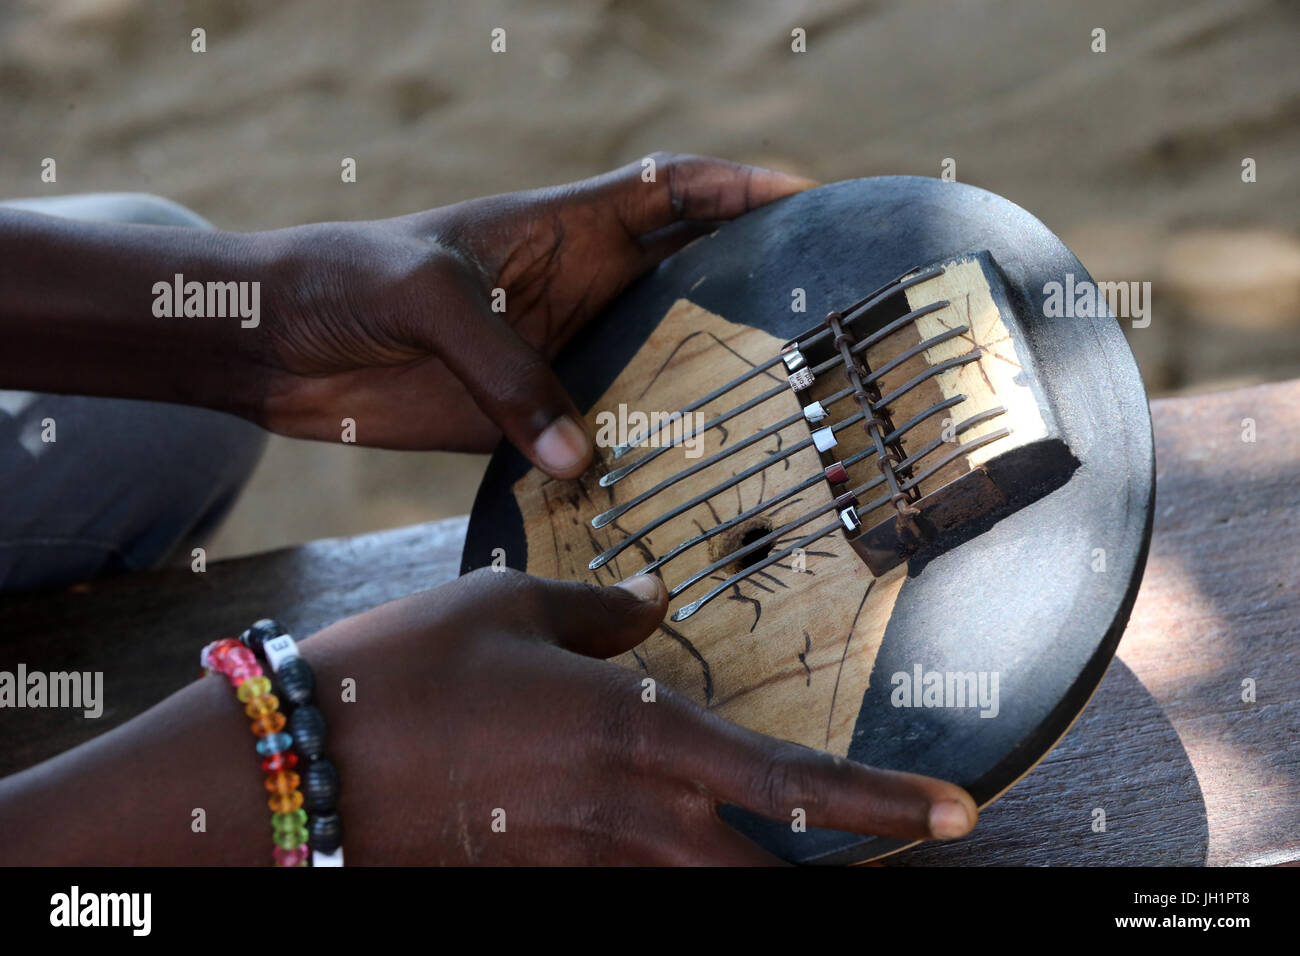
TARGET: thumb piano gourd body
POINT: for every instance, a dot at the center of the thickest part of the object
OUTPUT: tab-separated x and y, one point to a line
904	525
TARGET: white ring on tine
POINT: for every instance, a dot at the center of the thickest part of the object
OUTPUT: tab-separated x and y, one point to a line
849	518
824	439
801	379
793	359
814	413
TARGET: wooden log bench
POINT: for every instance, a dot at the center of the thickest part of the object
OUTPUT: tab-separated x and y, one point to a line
1168	755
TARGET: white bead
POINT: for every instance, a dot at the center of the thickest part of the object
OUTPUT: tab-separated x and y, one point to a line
824	439
327	859
814	412
849	518
279	649
801	379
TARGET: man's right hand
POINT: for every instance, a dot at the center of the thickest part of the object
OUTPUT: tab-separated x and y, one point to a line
486	699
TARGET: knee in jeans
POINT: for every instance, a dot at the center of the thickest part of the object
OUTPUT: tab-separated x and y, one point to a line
137	208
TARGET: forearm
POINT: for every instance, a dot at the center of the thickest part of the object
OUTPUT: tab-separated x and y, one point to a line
129	796
79	304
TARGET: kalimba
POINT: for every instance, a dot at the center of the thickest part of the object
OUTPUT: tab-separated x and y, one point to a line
909	532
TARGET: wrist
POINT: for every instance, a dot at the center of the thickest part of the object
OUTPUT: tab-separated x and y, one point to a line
96	308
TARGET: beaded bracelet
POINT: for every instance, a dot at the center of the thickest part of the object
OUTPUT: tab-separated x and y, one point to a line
238	664
320	781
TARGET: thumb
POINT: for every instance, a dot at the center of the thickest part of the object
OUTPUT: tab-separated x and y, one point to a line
599	621
516	389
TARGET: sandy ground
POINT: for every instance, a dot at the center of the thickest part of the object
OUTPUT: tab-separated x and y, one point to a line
1133	155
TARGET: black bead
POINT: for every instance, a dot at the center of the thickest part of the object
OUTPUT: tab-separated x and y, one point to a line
320	786
261	632
326	831
296	680
307	727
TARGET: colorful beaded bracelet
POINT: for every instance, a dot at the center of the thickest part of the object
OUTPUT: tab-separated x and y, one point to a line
320	778
253	688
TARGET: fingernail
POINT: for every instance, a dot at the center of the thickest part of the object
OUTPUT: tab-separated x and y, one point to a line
562	447
644	586
948	820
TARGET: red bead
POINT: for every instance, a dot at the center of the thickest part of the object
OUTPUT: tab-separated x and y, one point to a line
837	474
239	674
223	648
242	657
281	761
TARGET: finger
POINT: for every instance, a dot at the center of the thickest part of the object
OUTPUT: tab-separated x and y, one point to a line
584	618
776	778
514	386
692	189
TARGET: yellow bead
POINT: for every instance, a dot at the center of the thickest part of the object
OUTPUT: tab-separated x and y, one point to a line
285	802
286	781
268	724
260	706
253	687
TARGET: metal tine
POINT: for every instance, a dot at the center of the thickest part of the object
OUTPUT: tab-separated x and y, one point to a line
621	450
929	373
605	557
686	610
605	517
934	443
829	506
807	483
814	334
956	453
913	352
778	533
618	474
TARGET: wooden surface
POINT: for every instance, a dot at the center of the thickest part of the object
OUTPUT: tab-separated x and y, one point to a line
791	672
1185	770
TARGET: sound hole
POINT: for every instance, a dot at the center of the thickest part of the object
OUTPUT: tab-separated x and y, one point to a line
752	534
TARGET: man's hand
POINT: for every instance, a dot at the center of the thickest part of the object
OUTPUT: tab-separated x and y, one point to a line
483	701
391	323
487	695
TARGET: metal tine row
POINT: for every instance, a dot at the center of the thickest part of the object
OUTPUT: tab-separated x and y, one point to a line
809	337
618	474
803	519
686	610
605	517
804	485
605	557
